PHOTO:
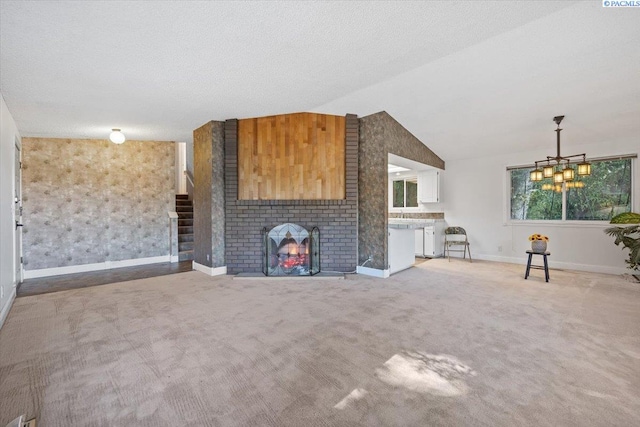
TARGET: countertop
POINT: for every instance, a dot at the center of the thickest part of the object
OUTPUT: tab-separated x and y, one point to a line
409	223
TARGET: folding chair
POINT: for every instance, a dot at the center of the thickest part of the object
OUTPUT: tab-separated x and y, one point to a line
455	237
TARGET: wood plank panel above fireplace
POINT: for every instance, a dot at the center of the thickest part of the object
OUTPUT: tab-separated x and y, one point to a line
297	156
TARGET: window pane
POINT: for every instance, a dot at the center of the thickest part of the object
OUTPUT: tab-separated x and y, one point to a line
398	194
530	201
412	193
606	192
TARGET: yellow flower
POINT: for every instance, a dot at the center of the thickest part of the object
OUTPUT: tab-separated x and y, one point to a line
538	236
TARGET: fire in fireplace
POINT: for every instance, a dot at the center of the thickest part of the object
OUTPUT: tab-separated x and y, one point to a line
291	250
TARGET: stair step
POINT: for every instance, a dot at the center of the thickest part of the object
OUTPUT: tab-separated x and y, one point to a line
185	222
182	196
185	229
185	256
185	246
185	215
184	202
185	238
184	208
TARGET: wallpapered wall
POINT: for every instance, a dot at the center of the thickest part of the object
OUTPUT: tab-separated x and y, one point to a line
91	201
381	134
208	195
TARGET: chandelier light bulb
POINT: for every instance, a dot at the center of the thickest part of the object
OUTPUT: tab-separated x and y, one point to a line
116	136
568	173
584	169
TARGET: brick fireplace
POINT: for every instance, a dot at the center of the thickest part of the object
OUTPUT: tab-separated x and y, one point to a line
246	220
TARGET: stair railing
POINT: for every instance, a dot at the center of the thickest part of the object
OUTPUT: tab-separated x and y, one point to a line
190	184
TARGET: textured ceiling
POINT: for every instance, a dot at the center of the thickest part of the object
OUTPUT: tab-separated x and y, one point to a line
467	78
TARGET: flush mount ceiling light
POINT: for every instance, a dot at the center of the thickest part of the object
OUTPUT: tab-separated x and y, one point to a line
557	172
394	168
116	136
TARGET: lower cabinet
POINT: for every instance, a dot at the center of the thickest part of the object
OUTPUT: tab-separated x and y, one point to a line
400	254
429	241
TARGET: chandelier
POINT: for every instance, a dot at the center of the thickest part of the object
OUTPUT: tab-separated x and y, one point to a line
558	169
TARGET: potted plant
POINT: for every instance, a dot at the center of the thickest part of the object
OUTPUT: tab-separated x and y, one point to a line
628	235
538	242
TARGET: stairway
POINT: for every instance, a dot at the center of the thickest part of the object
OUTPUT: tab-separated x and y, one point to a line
184	209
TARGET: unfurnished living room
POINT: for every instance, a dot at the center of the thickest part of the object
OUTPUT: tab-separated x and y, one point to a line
319	213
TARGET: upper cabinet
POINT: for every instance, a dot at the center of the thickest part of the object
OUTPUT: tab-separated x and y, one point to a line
429	186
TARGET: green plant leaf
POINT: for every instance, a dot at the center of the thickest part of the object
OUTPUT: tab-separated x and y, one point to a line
626	218
630	239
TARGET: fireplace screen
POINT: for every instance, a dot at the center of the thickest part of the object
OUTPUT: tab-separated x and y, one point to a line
290	250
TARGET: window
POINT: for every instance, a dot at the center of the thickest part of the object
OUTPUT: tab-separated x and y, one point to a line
405	193
606	193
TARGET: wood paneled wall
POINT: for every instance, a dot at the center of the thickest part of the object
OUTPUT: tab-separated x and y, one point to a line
291	157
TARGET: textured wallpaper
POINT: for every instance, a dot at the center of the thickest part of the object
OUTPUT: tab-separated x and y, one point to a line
381	134
89	201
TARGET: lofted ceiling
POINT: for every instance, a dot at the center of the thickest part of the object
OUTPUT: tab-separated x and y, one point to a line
467	78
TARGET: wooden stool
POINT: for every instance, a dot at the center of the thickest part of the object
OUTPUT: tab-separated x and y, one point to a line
544	267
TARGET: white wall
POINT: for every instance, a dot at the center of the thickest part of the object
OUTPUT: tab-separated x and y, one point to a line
476	194
8	134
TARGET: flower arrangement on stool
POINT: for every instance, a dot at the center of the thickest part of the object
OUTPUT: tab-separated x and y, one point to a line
538	242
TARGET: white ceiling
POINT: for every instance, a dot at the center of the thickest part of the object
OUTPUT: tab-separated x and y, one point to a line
467	78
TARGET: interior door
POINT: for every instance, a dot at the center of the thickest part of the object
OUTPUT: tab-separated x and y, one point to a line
18	213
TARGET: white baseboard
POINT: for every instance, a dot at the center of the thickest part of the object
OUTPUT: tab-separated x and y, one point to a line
372	272
211	271
558	264
56	271
175	258
5	310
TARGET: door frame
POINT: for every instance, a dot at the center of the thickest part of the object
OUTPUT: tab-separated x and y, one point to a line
18	271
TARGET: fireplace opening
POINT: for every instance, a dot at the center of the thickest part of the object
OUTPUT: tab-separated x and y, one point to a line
291	250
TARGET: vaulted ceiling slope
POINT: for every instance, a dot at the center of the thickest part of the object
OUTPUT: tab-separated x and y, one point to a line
467	78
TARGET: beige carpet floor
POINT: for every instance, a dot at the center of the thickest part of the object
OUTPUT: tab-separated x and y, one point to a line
439	344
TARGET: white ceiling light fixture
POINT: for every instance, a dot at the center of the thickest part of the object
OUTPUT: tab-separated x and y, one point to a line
394	168
116	136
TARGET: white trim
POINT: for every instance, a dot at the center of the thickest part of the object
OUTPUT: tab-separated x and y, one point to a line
211	271
558	264
56	271
559	223
175	258
7	307
367	271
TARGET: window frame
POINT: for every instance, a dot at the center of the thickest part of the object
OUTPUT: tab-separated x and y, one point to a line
507	220
404	179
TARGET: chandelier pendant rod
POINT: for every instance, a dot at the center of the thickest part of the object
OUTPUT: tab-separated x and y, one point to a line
558	120
559	158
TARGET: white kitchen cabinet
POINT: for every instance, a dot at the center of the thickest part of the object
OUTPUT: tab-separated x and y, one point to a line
400	254
429	240
429	186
